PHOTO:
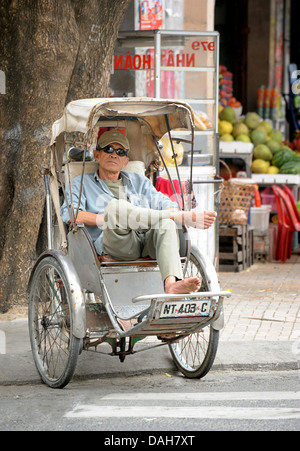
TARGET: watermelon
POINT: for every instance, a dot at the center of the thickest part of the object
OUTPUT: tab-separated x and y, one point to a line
282	156
296	156
291	167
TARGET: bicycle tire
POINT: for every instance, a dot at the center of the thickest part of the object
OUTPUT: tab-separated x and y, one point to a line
55	348
194	355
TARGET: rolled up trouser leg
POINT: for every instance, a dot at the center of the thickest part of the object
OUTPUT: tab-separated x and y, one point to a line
121	222
162	243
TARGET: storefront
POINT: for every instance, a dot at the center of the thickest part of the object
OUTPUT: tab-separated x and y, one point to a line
245	70
182	65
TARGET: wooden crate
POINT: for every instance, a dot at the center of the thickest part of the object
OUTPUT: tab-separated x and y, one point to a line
235	248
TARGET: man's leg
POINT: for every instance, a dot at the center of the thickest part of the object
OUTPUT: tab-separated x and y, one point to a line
120	240
122	222
162	243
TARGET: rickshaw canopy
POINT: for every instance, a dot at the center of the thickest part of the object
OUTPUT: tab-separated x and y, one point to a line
82	115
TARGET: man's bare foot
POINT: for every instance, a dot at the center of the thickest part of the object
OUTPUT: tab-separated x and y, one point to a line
182	286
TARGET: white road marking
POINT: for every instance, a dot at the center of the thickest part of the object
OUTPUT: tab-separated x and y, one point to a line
212	396
146	411
201	412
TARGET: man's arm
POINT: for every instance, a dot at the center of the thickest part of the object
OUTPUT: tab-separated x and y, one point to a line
198	220
90	219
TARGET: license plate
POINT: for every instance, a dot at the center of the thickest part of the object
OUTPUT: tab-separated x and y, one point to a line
186	308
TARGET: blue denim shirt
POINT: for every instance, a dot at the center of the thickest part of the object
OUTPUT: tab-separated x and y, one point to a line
95	196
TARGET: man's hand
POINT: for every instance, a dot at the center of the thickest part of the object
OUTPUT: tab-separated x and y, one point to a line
199	220
90	219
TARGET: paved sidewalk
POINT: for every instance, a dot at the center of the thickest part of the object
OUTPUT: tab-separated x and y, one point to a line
262	331
265	302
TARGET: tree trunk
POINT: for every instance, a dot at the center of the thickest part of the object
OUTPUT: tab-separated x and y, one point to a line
51	53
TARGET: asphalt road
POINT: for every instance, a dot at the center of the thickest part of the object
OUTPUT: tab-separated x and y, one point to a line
175	407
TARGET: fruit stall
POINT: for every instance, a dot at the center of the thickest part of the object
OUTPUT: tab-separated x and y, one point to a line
185	65
258	153
179	65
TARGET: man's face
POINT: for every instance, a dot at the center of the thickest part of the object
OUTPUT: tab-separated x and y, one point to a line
110	162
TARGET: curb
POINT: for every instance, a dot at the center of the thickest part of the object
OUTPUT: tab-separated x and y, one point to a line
19	368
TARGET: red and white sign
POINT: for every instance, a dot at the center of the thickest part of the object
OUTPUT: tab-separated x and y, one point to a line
151	14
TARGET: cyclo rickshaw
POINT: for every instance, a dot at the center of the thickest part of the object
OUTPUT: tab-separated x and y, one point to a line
79	300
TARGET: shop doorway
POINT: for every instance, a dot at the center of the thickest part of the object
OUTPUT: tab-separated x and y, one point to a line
231	20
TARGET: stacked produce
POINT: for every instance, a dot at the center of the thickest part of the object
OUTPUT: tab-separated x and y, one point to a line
295	144
226	89
271	154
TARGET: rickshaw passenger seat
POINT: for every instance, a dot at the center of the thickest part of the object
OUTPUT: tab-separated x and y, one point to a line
107	260
110	261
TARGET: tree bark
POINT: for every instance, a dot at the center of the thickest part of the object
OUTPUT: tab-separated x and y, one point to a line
51	53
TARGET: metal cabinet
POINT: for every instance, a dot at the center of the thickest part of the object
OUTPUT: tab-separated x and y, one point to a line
181	65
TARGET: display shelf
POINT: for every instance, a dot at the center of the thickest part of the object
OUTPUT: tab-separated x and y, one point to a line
277	179
238	149
184	65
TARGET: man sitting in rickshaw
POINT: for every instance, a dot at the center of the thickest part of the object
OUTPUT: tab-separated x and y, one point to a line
128	218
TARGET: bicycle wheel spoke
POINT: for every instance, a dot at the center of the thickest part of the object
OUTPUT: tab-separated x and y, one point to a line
53	343
194	354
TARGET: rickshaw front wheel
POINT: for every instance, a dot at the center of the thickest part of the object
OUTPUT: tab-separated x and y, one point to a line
194	355
55	349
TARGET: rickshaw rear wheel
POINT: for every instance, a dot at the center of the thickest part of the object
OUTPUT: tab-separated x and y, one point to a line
55	349
194	355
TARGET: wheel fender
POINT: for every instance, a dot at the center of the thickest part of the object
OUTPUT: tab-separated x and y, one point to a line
77	295
212	278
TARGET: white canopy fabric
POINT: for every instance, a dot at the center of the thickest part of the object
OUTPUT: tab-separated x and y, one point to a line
82	115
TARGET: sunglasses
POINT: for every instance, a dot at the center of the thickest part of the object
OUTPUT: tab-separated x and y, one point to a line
110	149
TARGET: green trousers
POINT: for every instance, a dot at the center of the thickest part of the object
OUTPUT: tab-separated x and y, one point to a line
131	232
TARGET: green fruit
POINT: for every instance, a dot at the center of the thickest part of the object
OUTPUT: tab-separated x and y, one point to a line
273	170
263	128
291	167
282	156
238	121
260	166
240	129
228	114
262	152
267	125
258	137
243	138
225	128
296	156
252	120
285	148
274	146
276	135
226	137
